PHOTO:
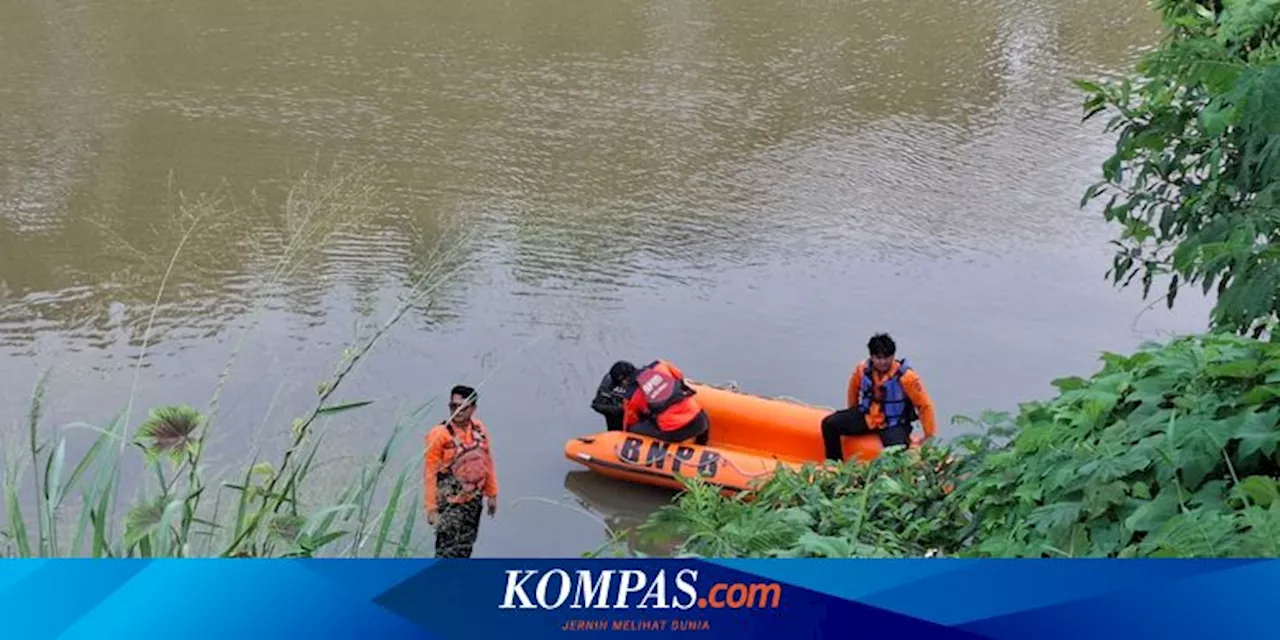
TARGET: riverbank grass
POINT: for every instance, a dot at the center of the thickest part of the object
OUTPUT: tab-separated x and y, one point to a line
263	509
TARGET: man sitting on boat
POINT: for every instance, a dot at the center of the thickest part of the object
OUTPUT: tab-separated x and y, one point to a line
885	396
659	403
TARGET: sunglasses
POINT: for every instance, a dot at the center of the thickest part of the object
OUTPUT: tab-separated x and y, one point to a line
453	406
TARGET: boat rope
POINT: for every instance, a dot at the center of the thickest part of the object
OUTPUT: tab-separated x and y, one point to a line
733	386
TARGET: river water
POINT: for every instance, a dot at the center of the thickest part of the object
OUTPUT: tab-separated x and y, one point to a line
748	188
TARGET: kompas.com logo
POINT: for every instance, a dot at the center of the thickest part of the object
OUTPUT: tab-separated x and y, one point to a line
633	588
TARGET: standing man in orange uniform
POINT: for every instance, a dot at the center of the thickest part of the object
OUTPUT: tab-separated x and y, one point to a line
885	396
459	472
660	404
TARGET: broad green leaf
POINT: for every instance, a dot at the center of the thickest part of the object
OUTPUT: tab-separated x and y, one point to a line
813	544
797	516
1071	383
1152	513
1053	517
1257	432
142	519
1215	119
1260	490
1212	495
1141	490
1111	467
1100	497
1260	395
1243	369
1198	443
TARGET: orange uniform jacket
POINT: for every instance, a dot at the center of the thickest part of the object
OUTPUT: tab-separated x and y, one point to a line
438	455
911	384
676	416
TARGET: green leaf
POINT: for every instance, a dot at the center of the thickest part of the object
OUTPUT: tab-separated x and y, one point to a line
313	544
1242	369
1198	443
389	513
345	406
1257	432
315	520
1260	395
1141	490
406	529
1262	539
1054	517
1101	497
17	524
1152	513
143	519
1212	495
814	545
1215	119
286	527
1108	468
1071	383
1086	85
1260	490
170	429
53	474
797	517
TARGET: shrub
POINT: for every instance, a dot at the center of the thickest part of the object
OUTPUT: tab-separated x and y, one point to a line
1169	452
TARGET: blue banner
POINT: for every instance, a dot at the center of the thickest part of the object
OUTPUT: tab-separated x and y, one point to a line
467	599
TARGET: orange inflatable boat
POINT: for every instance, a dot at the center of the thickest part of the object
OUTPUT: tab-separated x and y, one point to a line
750	437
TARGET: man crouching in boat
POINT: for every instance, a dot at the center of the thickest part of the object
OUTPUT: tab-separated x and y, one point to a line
884	396
458	471
659	403
612	393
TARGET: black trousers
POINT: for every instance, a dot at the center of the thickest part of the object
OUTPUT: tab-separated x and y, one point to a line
458	528
699	429
851	422
612	420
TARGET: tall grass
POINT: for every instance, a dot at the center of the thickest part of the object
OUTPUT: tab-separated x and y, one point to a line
263	509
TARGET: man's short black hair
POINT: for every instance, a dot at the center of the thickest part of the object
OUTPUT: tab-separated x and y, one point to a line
468	394
621	371
881	345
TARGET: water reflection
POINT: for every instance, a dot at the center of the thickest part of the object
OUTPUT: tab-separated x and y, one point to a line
623	506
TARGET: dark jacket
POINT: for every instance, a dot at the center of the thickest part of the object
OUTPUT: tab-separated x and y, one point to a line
609	397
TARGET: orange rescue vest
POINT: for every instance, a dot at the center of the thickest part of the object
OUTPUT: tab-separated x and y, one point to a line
468	468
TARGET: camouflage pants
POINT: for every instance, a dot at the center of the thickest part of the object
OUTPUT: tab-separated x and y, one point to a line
457	529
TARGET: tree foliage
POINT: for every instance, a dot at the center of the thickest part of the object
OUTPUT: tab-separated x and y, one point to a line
1173	451
1194	179
1169	452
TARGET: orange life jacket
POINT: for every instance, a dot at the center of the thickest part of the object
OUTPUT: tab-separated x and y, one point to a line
667	399
467	469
